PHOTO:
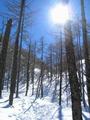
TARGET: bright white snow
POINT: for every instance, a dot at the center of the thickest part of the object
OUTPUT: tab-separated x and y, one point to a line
29	108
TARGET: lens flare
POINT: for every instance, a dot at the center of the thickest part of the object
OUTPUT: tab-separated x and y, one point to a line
60	14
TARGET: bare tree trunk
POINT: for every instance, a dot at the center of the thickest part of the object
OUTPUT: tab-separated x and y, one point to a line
42	66
19	59
86	49
28	70
40	81
33	67
3	54
8	80
51	74
67	93
60	90
2	31
80	67
73	79
14	67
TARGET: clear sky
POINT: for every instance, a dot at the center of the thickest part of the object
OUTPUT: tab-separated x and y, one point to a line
42	24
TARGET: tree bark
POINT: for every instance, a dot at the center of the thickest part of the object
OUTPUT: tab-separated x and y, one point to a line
14	66
3	54
73	79
86	49
28	74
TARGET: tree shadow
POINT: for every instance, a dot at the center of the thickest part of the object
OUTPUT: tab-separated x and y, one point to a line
60	114
4	101
7	106
86	118
86	108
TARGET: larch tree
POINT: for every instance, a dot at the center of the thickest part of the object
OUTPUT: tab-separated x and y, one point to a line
3	55
19	58
60	69
15	56
86	49
33	67
72	70
28	69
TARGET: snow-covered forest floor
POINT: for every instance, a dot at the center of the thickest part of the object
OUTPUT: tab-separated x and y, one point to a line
46	108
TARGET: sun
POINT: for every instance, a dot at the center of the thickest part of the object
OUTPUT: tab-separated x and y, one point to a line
59	14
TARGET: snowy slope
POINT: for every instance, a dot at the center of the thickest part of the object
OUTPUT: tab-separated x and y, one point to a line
29	108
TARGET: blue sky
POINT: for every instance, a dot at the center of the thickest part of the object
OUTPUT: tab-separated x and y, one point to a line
42	23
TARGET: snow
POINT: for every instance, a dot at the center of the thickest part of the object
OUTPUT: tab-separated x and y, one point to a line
25	109
40	109
29	108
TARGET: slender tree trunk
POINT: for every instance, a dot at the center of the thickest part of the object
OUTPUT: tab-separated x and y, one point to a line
33	67
40	81
51	74
19	59
8	80
14	66
83	85
73	79
32	78
81	67
86	49
28	68
60	91
42	67
3	54
67	93
2	30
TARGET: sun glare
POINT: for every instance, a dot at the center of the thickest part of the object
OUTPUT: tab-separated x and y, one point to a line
60	14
